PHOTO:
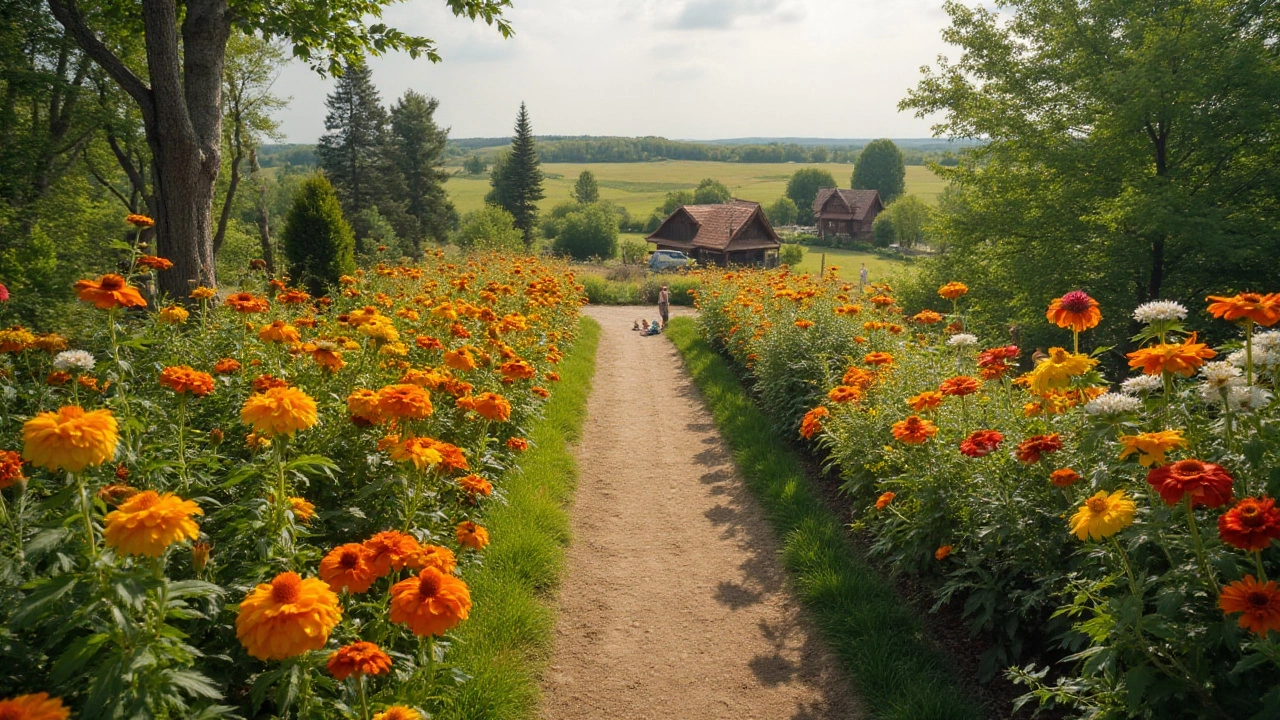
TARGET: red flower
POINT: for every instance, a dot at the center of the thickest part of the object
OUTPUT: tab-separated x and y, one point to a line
1031	449
980	443
1208	484
1251	525
959	386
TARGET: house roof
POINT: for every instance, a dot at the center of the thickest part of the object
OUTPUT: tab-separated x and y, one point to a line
719	225
848	204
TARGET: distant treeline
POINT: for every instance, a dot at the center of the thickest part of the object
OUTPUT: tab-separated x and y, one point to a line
277	155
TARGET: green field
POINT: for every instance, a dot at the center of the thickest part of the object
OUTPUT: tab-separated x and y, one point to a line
849	262
641	187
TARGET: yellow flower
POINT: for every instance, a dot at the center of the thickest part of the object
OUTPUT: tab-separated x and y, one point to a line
1057	370
303	509
279	332
1152	446
380	329
149	522
1103	515
420	451
287	617
70	439
203	293
279	411
173	315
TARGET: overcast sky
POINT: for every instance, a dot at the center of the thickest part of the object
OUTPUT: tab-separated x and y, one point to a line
695	69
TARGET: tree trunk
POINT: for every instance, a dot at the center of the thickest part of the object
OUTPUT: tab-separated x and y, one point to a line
264	225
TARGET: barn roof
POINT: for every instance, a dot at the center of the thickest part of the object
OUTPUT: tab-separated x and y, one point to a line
719	225
849	204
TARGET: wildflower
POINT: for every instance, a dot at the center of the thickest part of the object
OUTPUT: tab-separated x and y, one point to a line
1256	307
349	567
50	342
391	550
461	360
1057	370
1206	483
199	556
185	380
4	293
1219	377
1033	448
914	430
516	370
811	424
148	523
1251	525
1159	311
70	439
380	330
517	444
303	509
1064	477
878	359
109	292
927	400
981	443
1180	358
959	386
153	263
10	469
173	315
927	317
844	394
472	535
203	293
859	378
492	406
475	485
137	220
1103	515
33	707
78	360
1141	384
279	332
279	411
16	339
421	451
227	366
942	553
287	617
404	401
1258	602
245	303
803	324
358	658
398	712
963	340
1112	405
1247	398
434	556
431	603
1075	311
885	498
953	290
1151	446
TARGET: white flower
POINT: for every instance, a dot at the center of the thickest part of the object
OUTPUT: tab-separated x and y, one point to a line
962	340
1108	404
1219	374
1248	398
1141	384
1160	310
68	360
1237	358
1267	342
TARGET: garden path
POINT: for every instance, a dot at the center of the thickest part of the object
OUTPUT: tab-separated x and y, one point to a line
674	603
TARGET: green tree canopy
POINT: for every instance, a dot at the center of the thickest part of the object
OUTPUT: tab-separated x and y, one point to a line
711	192
675	200
317	240
474	165
589	232
880	167
489	228
781	211
516	179
418	153
803	187
586	190
910	218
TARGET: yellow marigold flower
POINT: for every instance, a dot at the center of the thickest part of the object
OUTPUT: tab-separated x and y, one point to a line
51	343
953	290
303	509
203	293
380	329
471	535
149	522
1057	370
394	349
33	707
70	439
398	712
15	340
279	332
1151	446
418	450
364	407
431	603
279	411
287	617
173	315
1103	515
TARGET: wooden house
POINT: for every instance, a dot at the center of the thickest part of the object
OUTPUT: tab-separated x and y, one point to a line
846	212
735	233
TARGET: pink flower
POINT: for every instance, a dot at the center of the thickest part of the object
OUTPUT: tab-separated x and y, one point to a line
4	292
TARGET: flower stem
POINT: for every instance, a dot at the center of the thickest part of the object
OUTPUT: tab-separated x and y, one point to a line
182	442
1257	561
364	701
1195	536
1248	352
86	508
1128	569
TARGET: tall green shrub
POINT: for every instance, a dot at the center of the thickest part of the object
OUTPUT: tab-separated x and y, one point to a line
489	228
317	241
591	232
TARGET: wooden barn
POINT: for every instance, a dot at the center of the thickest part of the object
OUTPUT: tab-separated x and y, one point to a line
735	233
846	212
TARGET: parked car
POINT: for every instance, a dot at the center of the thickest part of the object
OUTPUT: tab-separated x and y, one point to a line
667	260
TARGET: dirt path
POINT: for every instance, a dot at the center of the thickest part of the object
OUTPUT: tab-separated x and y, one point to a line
674	604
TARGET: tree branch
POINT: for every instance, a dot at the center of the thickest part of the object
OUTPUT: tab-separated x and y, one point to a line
68	14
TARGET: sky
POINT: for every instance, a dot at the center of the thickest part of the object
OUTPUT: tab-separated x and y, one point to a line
687	69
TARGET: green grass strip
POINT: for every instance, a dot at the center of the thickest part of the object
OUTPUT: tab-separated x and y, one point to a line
878	638
506	641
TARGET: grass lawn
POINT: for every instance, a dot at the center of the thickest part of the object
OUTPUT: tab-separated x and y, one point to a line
879	269
641	187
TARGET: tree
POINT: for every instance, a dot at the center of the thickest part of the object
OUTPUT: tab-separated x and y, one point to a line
880	167
910	220
883	233
711	192
675	200
586	190
179	89
587	233
819	154
474	165
517	179
418	145
317	240
790	254
781	211
803	187
489	228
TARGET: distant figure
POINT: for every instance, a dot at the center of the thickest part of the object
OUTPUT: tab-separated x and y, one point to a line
862	277
635	325
653	328
1038	355
644	327
664	304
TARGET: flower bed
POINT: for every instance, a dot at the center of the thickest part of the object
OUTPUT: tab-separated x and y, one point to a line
1112	544
260	504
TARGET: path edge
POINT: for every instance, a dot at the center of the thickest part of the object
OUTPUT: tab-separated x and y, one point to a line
506	643
879	641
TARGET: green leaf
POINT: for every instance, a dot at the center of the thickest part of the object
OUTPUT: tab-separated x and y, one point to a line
74	658
44	595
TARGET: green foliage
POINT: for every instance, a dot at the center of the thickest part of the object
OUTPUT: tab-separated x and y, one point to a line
589	232
632	252
517	180
883	231
711	192
781	212
317	240
910	219
880	167
601	291
474	165
675	200
791	254
490	228
586	190
803	189
417	148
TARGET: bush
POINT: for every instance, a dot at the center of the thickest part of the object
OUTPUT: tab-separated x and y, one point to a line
632	252
681	289
587	233
790	254
882	230
489	228
317	241
781	211
600	291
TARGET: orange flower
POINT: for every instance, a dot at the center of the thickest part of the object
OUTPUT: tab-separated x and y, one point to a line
199	555
1075	311
364	407
279	411
1033	448
109	292
471	535
927	400
1151	446
878	359
358	658
927	317
287	617
391	550
434	556
460	359
981	443
137	220
844	394
859	378
349	567
405	401
1207	483
245	303
942	553
10	469
516	370
183	379
1251	525
421	451
959	386
264	382
70	439
431	603
517	444
475	485
883	501
16	339
1257	307
1180	358
303	509
227	366
148	523
33	707
953	290
492	406
203	293
398	712
804	324
914	430
153	262
1064	477
1258	602
279	332
811	424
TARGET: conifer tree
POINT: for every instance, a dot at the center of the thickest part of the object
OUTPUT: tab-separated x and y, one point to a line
418	153
586	190
517	179
317	240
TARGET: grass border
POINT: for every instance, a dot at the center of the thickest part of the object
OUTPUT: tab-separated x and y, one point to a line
507	640
878	638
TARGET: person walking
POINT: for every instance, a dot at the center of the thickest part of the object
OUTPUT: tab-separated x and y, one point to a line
664	304
862	277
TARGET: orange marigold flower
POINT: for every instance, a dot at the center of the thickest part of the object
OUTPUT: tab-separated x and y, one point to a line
304	510
859	378
263	383
405	401
421	451
116	493
959	386
431	603
186	380
1064	477
70	439
358	658
153	262
516	370
1258	603
427	342
279	331
804	324
149	522
227	366
1180	358
349	567
246	303
811	424
1151	446
10	469
326	355
472	535
391	550
942	553
460	359
398	712
492	406
927	400
1075	311
1208	484
1257	307
953	290
279	411
844	394
475	485
33	707
364	407
927	317
878	359
981	443
517	444
1033	448
199	555
293	297
435	556
287	617
57	378
137	220
883	501
1251	525
914	430
109	292
16	339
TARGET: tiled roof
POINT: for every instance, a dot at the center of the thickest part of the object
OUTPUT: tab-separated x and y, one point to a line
717	224
858	202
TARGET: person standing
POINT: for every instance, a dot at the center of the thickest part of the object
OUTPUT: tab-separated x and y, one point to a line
664	304
862	277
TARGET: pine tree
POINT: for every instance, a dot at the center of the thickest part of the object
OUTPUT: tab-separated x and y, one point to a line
317	240
418	152
517	179
586	190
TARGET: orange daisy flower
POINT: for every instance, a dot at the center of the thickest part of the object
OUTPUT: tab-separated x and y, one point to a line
1251	525
471	535
959	386
405	401
185	380
927	400
349	567
883	501
812	423
358	658
475	485
914	430
1258	603
109	292
1257	307
1075	311
953	290
1064	477
844	394
154	263
391	550
431	603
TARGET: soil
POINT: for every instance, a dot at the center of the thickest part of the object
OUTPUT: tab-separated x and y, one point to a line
674	603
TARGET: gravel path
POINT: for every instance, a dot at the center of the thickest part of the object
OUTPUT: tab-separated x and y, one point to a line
674	604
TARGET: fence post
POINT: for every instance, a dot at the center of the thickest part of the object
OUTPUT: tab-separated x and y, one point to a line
823	271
